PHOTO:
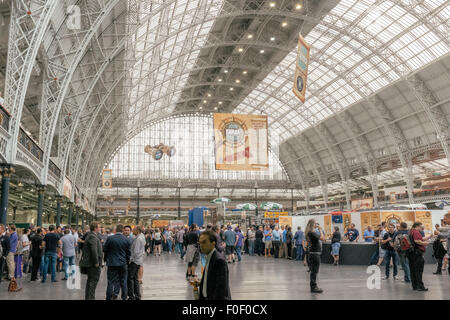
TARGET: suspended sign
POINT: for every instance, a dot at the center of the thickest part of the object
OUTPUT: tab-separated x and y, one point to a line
107	178
67	188
301	69
241	142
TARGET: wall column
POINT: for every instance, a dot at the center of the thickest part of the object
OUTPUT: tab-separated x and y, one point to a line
6	170
41	191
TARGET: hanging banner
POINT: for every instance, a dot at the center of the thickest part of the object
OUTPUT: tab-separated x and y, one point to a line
269	214
77	197
362	204
67	188
301	68
241	142
392	197
107	178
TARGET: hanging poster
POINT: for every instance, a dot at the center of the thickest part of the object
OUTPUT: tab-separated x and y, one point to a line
301	69
425	218
370	219
241	142
160	223
362	204
327	226
283	220
67	188
392	197
107	178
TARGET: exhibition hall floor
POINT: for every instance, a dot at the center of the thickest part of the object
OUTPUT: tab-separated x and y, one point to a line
255	278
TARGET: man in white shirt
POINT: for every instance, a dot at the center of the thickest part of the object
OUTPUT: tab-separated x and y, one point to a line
25	249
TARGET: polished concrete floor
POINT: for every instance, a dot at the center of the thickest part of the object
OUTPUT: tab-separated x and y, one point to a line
253	278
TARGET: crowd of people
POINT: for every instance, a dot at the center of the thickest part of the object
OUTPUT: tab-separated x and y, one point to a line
43	251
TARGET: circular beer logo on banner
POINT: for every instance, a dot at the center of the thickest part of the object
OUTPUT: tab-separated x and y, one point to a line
299	83
234	133
106	183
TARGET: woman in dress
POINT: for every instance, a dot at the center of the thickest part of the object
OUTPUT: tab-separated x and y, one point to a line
335	245
157	238
192	251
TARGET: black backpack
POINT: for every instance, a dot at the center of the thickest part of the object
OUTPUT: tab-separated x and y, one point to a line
438	249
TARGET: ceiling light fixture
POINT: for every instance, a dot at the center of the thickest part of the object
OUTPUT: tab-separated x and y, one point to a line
237	80
220	80
272	38
250	36
215	108
201	108
220	102
284	24
204	101
231	89
240	49
244	72
272	4
262	51
209	94
225	71
298	6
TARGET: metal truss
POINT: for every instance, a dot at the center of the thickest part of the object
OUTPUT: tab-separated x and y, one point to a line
69	47
436	115
28	23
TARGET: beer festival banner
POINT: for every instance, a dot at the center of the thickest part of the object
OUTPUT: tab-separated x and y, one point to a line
241	142
301	68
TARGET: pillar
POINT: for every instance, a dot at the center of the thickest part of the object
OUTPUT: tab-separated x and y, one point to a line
77	217
6	171
41	191
58	210
69	218
256	202
138	214
179	203
14	214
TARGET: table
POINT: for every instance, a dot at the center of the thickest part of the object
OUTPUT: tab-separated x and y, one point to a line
359	253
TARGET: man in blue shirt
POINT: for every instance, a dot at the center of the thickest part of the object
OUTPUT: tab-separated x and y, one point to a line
369	234
13	240
352	233
299	238
267	241
230	241
276	241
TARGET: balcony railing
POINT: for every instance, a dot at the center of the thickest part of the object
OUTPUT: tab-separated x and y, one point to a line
54	169
30	145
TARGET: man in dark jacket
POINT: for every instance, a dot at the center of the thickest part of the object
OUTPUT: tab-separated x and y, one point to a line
215	280
91	260
259	245
36	253
117	256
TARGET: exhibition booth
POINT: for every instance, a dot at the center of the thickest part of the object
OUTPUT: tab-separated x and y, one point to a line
359	253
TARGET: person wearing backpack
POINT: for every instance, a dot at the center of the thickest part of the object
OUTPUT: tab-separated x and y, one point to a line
401	246
415	257
444	232
439	252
